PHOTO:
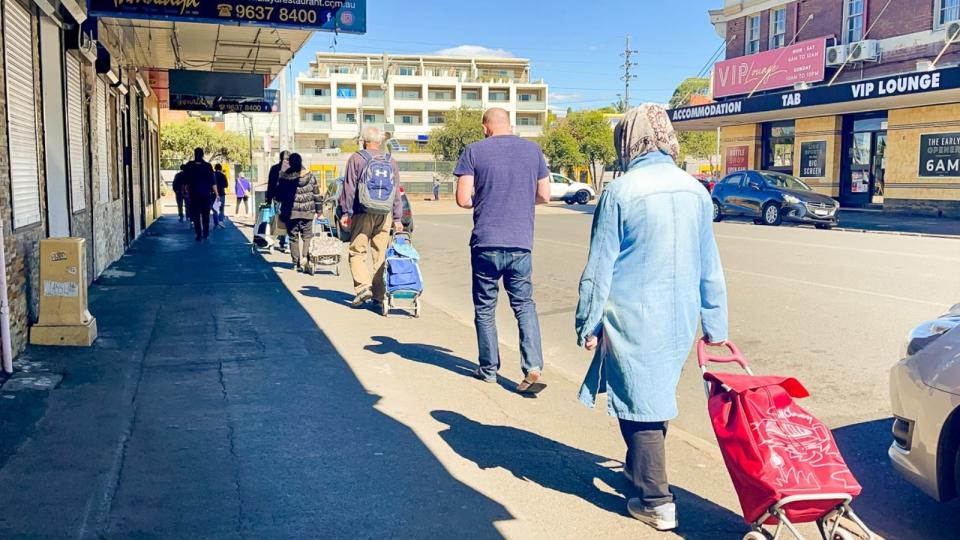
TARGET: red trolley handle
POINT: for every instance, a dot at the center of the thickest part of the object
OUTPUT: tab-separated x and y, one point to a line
704	357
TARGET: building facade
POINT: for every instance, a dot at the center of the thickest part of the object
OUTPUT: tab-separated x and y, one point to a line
858	98
407	96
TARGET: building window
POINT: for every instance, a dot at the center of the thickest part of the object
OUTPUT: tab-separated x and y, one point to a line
318	92
471	95
346	92
436	119
347	118
409	119
407	94
340	69
441	95
753	34
852	21
947	11
499	95
778	28
316	117
406	71
375	94
370	119
527	97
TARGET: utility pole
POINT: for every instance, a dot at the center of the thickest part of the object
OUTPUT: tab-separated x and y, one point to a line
284	105
628	64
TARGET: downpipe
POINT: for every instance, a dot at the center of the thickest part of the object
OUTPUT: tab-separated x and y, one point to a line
7	350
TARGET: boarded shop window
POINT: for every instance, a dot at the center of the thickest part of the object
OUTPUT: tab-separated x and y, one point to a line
21	115
78	173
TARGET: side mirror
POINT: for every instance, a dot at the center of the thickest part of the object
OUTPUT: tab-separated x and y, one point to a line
754	185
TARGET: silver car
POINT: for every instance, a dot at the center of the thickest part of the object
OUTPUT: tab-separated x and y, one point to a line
925	398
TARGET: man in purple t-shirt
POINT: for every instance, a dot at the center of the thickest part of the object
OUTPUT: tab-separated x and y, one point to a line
502	178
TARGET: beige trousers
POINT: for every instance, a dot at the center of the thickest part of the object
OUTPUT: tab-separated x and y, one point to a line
369	231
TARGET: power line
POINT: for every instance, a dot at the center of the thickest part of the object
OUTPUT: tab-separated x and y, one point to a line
628	64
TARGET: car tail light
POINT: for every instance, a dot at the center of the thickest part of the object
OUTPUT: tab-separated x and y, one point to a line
401	190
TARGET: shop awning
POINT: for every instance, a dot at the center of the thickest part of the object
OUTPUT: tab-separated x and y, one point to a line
894	92
209	47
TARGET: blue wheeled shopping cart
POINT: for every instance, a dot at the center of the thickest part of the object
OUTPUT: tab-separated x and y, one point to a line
401	275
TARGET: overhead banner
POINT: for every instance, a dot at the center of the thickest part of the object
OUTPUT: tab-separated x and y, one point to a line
180	102
213	83
343	16
940	154
801	62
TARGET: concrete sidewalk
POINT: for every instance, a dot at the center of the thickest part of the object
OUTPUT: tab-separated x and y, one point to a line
229	397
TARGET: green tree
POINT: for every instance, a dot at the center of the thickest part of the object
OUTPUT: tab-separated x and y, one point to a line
178	139
595	137
560	148
694	144
460	127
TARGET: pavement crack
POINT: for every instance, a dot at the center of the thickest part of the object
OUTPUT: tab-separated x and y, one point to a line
231	438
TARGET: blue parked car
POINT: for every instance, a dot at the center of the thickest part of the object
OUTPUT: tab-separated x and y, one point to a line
771	197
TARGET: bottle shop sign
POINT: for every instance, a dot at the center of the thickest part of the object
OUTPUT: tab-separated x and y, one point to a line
344	16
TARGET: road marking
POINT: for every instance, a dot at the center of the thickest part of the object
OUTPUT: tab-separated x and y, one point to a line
826	246
938	305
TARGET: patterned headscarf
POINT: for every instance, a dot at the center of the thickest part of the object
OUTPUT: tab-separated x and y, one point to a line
642	130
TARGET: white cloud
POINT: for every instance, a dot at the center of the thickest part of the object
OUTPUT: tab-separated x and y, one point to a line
559	96
475	51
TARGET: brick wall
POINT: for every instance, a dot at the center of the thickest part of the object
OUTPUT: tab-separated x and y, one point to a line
901	17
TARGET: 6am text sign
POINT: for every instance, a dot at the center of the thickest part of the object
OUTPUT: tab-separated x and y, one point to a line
801	62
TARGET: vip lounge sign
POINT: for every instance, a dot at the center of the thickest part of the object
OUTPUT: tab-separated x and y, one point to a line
813	159
737	159
345	16
940	154
801	62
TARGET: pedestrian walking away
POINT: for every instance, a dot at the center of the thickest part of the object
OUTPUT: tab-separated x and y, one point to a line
301	201
370	204
179	186
436	187
652	271
201	189
273	182
502	178
221	213
242	191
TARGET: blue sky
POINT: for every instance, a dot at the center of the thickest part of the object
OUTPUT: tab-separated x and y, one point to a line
574	46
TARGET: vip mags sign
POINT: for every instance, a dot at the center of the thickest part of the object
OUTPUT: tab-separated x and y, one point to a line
940	154
346	16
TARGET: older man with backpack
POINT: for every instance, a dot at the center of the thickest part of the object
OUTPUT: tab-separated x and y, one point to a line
371	204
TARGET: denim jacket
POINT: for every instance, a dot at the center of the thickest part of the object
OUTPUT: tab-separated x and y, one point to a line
652	273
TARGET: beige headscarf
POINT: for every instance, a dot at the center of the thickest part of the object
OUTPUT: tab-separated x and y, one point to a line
642	130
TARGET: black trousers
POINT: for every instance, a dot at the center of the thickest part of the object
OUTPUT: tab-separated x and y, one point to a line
647	460
201	220
180	203
300	232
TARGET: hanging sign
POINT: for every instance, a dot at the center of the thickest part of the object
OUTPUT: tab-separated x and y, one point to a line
813	159
182	102
940	154
343	16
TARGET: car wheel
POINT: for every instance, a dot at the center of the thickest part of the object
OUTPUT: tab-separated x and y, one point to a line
583	197
771	214
717	212
824	226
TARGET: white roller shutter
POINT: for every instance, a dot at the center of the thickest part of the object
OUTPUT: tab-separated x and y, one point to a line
103	151
21	115
78	173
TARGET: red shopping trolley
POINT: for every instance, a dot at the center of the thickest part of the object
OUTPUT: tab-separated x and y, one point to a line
784	463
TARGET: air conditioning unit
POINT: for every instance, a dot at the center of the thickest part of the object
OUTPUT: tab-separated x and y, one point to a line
953	31
867	50
836	55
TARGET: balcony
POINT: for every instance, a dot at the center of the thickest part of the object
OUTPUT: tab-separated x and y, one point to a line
310	126
308	100
373	101
531	105
472	103
529	130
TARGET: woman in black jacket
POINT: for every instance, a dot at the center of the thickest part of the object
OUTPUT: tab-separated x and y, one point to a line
301	201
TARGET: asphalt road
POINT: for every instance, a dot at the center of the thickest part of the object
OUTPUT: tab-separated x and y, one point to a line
828	307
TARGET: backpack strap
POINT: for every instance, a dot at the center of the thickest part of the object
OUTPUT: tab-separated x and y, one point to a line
365	155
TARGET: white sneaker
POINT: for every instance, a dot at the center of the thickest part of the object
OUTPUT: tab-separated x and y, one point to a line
661	518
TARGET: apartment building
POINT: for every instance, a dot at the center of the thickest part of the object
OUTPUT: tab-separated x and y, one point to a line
407	96
859	98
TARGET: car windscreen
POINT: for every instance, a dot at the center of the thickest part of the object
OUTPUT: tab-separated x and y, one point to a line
784	181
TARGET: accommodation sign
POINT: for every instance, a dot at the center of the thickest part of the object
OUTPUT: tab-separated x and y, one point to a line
813	159
345	16
940	154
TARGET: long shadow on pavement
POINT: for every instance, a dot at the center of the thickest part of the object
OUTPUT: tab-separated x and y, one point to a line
560	467
213	406
890	505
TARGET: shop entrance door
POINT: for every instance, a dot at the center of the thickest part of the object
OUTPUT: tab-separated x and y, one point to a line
862	174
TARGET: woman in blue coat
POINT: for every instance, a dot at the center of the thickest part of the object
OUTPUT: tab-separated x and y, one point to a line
653	272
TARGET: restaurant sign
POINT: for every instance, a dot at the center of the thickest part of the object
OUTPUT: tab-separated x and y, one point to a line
940	154
182	102
801	62
343	16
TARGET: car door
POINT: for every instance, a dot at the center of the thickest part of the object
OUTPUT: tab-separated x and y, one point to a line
559	186
727	192
753	194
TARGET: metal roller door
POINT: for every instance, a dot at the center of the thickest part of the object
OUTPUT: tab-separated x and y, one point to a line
78	172
103	151
21	115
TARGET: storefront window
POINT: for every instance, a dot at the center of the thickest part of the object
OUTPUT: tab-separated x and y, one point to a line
778	138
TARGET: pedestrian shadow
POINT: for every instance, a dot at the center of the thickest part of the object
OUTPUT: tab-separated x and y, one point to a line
890	505
560	467
431	355
330	295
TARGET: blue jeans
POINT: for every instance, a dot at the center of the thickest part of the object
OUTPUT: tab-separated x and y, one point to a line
515	267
